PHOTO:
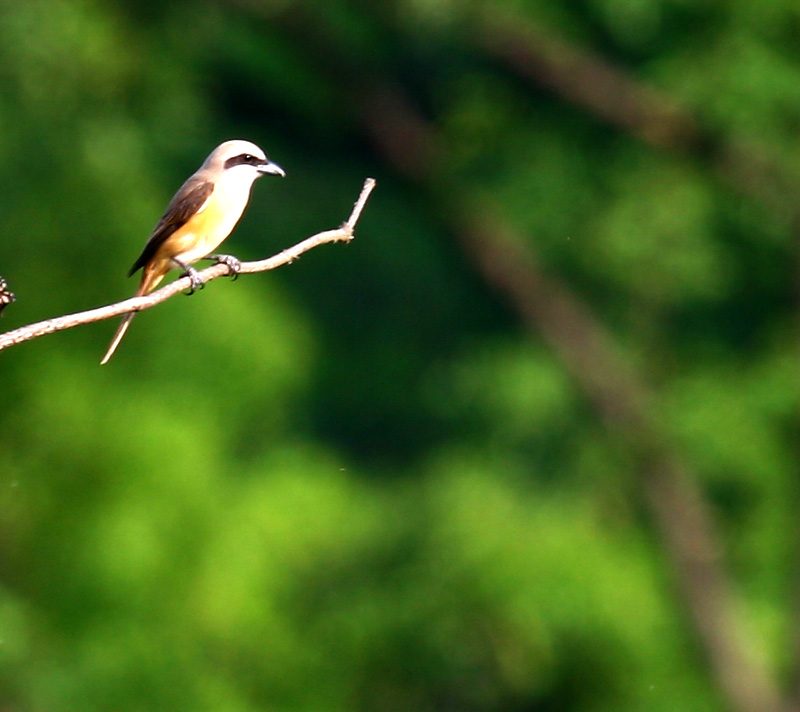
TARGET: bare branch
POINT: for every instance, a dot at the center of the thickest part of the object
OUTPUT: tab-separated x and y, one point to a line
345	233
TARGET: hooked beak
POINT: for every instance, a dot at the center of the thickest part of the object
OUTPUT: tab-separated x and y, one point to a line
273	169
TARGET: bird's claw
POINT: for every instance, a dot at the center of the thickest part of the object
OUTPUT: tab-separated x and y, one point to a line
232	263
195	279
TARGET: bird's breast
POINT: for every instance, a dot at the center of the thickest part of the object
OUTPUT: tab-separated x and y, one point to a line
207	228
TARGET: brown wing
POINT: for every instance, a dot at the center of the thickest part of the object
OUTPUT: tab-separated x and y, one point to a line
187	201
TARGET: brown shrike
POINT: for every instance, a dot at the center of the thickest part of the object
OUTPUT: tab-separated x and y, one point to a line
199	217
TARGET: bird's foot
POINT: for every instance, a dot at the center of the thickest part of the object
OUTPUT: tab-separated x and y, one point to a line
194	276
232	263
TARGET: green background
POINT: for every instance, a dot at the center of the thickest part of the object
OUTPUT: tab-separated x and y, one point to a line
528	444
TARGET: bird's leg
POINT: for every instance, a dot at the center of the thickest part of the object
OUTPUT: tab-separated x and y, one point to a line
192	274
232	263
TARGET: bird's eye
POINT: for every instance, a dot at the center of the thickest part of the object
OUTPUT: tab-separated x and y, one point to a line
249	158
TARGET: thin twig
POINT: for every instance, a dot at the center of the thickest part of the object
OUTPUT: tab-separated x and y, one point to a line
289	255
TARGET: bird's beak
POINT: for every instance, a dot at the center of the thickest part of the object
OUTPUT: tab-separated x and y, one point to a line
272	169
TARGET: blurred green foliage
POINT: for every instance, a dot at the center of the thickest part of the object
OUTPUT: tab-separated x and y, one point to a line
359	483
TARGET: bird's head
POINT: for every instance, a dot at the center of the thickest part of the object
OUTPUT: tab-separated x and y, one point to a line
247	159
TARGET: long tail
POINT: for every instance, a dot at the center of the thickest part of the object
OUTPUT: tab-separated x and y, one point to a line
123	327
152	275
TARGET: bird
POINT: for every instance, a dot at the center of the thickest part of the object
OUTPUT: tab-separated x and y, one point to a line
199	217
